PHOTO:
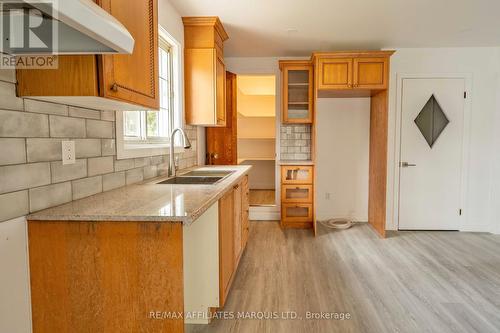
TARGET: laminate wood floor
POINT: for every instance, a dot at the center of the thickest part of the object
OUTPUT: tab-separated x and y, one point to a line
409	282
262	197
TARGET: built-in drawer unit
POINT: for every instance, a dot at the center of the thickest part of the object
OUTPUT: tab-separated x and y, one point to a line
296	193
294	174
297	196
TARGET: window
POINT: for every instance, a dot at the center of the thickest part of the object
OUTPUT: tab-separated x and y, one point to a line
146	127
147	133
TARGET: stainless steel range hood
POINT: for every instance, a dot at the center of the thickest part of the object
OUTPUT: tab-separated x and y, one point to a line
62	27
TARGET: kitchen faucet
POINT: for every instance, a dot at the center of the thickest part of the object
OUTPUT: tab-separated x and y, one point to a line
172	168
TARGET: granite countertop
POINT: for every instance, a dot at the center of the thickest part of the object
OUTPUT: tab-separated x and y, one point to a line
147	201
293	162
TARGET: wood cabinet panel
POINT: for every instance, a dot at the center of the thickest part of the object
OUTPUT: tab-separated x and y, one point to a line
134	77
370	73
335	73
199	82
233	234
75	76
237	224
245	203
220	91
105	276
226	244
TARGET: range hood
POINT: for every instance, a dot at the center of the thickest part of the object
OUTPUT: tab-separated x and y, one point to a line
67	26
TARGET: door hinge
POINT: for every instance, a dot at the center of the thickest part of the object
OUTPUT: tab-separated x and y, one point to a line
460	212
465	94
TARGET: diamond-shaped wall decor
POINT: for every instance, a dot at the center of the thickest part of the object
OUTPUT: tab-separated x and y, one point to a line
431	121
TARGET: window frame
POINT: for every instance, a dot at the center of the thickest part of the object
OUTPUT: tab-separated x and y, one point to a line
131	147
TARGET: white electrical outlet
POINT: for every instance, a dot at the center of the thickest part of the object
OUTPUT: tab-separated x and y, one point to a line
327	195
68	152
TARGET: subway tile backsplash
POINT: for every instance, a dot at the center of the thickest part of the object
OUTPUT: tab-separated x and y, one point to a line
32	176
295	142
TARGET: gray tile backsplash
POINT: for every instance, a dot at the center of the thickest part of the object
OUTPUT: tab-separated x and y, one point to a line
32	176
295	142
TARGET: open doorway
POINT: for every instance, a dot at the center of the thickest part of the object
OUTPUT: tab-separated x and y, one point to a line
256	134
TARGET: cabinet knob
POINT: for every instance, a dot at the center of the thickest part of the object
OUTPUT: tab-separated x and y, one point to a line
114	87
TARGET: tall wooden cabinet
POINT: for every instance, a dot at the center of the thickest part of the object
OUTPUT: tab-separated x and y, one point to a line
204	71
233	234
362	74
297	91
112	82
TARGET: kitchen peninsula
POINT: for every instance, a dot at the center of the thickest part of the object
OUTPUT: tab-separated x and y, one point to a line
136	259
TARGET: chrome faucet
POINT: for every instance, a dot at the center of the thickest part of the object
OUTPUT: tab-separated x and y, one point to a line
172	168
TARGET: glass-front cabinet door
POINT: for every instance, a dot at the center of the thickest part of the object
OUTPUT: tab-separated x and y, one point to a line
297	81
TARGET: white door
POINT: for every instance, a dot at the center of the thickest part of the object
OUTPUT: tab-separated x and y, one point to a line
431	153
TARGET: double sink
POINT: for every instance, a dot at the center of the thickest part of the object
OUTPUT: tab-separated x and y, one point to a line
198	177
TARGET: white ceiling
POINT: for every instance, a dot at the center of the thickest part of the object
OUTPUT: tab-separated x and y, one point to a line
297	27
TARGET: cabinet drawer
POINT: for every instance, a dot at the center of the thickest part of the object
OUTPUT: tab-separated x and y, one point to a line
296	193
296	212
294	174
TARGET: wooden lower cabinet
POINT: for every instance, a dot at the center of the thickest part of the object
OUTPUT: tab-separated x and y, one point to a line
245	208
226	244
233	234
105	276
297	196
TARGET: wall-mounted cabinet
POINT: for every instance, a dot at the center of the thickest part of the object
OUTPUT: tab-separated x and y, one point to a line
204	71
107	82
297	91
358	72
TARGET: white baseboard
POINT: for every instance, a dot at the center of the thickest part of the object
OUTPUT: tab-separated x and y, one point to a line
263	213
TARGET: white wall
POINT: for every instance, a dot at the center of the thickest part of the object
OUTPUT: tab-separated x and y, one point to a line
480	213
342	142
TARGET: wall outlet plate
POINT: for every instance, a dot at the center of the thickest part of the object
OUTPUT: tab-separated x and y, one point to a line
68	152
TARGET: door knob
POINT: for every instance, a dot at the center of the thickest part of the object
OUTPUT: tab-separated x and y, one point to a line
406	165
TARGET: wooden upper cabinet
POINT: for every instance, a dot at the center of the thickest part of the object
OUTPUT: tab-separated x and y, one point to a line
297	91
352	73
204	71
114	82
335	73
134	78
370	73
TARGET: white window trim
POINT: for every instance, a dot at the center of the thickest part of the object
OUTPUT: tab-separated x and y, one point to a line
126	149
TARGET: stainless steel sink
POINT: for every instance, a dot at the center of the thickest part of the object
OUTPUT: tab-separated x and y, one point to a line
192	180
199	177
207	173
